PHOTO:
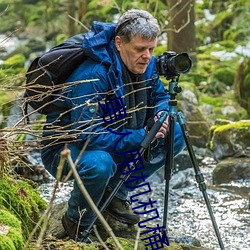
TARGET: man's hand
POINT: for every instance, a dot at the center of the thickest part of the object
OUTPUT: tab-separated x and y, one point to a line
164	128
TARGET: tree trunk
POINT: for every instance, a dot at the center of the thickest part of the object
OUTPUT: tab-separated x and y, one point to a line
181	27
83	7
71	6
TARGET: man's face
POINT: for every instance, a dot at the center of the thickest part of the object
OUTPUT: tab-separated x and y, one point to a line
137	53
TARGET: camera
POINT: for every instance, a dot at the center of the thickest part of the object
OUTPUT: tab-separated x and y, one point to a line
171	65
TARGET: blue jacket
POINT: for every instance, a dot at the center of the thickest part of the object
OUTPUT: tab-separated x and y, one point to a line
103	69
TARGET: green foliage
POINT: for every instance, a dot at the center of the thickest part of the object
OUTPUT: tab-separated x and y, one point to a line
12	67
6	243
214	101
22	200
13	239
219	102
229	22
242	84
17	61
224	75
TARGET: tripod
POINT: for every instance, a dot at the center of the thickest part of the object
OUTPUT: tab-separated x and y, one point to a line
173	114
173	90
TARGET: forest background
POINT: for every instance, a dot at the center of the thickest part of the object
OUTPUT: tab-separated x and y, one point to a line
214	33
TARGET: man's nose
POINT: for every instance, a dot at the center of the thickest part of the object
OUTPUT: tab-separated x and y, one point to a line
146	54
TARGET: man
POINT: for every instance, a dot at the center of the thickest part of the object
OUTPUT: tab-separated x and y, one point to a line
121	67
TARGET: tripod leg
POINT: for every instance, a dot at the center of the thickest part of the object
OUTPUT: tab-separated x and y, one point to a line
168	169
199	176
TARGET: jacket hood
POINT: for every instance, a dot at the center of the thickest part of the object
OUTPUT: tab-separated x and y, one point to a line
98	43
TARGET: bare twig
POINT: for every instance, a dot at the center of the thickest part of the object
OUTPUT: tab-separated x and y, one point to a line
137	239
77	21
99	238
67	155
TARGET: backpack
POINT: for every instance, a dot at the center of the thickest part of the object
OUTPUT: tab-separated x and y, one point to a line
47	74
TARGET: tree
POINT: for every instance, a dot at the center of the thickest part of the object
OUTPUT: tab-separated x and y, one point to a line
181	26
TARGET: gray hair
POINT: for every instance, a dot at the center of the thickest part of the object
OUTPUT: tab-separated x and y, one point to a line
137	22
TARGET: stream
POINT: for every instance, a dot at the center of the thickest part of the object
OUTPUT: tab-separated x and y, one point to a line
188	216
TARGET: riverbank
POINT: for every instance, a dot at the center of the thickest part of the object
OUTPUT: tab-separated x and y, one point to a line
188	216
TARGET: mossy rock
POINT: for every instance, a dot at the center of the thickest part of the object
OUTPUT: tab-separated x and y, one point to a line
21	199
231	139
129	245
11	237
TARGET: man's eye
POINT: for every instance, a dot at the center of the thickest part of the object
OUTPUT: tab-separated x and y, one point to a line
139	50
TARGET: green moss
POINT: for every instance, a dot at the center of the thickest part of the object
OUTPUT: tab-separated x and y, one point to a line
21	199
13	71
225	75
13	239
235	125
125	243
16	61
9	219
16	237
228	45
212	100
6	243
239	128
129	245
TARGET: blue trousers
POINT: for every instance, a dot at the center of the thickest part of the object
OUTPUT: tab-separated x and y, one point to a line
98	171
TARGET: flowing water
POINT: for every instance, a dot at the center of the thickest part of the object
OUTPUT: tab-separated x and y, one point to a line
187	212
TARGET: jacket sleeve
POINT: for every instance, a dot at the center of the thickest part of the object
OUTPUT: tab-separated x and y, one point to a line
86	115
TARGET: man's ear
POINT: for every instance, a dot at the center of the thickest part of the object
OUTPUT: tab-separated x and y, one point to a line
118	42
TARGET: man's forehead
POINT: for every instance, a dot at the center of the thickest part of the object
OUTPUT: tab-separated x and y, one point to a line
139	40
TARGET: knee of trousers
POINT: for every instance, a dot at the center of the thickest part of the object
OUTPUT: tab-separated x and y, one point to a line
98	165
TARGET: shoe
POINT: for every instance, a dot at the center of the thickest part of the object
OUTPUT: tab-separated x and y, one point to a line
75	231
121	211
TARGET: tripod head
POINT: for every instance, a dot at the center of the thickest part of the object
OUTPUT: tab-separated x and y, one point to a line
174	89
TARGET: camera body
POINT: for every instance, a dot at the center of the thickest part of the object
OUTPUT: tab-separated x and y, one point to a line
171	65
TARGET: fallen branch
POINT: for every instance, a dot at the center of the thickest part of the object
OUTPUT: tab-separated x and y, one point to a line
65	154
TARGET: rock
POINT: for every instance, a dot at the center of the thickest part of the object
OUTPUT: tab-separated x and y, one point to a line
231	169
181	179
188	95
126	235
197	125
232	139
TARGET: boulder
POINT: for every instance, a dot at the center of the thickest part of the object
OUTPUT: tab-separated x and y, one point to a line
231	169
231	139
197	125
126	235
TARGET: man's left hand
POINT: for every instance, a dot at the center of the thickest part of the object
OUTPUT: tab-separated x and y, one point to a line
164	128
